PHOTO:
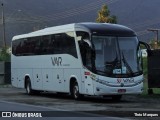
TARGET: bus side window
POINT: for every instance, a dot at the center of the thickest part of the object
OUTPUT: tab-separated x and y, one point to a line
45	44
37	49
69	44
57	44
53	44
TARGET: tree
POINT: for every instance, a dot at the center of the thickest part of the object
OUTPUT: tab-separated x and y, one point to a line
4	54
104	16
154	45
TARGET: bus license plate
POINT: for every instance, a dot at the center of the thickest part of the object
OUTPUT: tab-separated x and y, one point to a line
121	90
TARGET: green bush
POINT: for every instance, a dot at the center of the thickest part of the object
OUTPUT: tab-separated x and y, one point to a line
145	69
5	55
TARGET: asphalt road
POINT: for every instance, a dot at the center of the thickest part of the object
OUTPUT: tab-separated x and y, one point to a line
14	99
44	113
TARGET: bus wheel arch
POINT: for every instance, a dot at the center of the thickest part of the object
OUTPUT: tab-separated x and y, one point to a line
74	89
26	80
28	85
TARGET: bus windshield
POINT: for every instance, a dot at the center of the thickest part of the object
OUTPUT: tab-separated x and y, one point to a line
117	56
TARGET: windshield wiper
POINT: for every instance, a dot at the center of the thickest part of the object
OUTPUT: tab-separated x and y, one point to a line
126	64
102	72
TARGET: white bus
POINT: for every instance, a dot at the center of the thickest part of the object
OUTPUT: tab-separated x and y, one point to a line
97	59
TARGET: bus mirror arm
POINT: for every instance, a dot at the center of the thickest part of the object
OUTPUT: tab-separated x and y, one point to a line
147	46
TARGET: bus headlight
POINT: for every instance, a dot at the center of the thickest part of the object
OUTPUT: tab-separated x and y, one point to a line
139	82
102	82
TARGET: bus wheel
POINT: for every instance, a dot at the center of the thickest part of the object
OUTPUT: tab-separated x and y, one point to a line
28	88
75	91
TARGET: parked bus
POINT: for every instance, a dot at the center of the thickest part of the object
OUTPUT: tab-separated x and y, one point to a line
98	59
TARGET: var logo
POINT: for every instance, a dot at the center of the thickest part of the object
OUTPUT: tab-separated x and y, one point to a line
56	61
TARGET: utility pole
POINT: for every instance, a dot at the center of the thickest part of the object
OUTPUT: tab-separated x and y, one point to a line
156	37
3	25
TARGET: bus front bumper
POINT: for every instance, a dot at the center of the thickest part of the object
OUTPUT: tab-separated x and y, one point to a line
107	90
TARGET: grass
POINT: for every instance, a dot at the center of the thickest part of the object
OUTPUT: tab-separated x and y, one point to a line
145	70
5	85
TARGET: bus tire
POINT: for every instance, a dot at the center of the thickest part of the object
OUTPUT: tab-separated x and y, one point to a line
29	90
75	91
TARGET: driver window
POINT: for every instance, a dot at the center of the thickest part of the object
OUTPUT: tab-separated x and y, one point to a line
85	47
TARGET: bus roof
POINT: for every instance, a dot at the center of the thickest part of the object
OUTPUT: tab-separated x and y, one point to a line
94	28
47	31
109	29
